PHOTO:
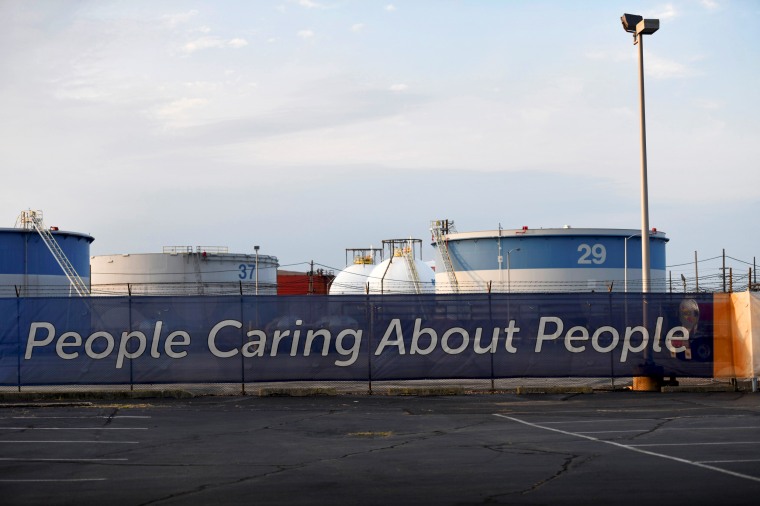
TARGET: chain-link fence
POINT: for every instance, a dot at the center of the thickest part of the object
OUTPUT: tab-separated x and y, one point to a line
359	344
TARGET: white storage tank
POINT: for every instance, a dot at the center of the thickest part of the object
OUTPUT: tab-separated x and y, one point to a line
403	272
354	278
184	270
548	260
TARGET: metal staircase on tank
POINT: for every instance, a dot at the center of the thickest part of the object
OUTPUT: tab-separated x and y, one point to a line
441	228
408	255
33	219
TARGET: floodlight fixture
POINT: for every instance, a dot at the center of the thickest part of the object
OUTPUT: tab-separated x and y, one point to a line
630	21
647	26
637	25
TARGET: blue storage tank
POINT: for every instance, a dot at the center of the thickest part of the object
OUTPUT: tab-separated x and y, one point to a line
29	269
550	260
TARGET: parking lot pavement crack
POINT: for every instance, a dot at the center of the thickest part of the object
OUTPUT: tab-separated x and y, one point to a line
569	461
110	417
286	468
657	426
211	486
709	402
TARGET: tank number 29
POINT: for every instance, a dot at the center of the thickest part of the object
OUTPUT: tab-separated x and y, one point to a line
595	254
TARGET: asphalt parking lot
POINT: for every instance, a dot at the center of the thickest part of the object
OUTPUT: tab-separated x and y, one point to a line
601	448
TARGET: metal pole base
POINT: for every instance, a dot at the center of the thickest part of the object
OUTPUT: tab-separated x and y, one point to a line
650	378
647	383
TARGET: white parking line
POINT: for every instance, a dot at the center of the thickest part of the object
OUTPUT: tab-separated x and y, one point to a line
54	480
726	461
632	448
715	443
87	442
725	427
603	420
73	428
34	459
612	431
69	417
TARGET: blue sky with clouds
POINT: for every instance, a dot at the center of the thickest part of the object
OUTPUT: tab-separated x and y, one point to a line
308	127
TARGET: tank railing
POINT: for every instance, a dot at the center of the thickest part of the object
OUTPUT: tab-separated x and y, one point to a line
212	249
178	249
197	249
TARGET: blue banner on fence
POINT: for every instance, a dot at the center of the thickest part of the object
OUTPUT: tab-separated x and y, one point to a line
117	340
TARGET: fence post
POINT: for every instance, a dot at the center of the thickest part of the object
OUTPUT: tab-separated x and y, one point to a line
371	309
492	352
242	342
131	360
18	341
612	362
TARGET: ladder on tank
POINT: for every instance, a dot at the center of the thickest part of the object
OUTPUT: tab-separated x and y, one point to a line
440	228
408	255
33	219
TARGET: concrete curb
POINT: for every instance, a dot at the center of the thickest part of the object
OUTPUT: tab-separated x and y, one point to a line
699	388
554	390
92	395
426	391
296	392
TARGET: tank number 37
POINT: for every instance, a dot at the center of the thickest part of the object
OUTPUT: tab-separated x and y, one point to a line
247	271
595	254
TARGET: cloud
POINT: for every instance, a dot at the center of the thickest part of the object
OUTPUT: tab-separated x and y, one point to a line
306	34
309	4
175	113
213	43
667	11
177	19
710	4
661	68
390	8
358	27
237	43
398	87
704	103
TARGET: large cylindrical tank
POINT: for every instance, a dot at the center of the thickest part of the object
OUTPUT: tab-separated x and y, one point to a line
29	269
184	270
551	260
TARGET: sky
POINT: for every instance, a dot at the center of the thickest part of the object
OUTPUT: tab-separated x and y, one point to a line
307	127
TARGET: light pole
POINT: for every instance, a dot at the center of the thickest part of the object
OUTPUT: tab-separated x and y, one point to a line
509	276
256	249
639	26
650	375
